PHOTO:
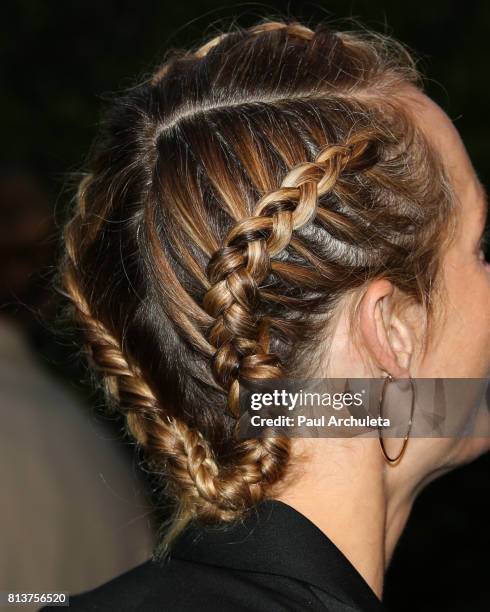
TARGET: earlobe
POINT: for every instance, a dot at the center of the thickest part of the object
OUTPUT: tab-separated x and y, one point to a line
385	337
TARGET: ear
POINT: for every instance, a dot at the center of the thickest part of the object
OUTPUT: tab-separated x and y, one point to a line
388	340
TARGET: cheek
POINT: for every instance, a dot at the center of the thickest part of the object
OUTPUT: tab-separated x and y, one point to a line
467	327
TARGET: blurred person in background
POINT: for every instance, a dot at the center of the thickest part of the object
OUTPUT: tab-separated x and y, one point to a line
66	483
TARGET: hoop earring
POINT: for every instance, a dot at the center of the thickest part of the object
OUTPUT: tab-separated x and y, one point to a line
395	460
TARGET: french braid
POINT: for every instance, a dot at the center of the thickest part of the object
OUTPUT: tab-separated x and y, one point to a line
227	213
237	270
203	488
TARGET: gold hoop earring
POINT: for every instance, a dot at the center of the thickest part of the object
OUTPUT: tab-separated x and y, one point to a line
395	460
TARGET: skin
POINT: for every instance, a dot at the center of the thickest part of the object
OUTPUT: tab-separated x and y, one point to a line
345	486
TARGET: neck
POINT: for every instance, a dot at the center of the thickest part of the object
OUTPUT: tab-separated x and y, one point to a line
350	502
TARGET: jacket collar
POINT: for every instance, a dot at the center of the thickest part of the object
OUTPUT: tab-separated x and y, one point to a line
274	538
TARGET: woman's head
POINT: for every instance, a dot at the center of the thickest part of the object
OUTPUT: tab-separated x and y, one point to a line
238	203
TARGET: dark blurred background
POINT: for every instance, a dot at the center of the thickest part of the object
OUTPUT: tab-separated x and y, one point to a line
60	59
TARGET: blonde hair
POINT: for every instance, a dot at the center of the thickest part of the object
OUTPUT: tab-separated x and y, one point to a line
233	199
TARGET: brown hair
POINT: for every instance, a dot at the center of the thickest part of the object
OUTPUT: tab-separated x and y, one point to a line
234	199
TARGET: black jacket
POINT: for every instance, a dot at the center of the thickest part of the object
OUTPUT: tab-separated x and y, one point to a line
276	560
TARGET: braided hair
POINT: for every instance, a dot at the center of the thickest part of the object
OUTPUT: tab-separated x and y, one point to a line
233	200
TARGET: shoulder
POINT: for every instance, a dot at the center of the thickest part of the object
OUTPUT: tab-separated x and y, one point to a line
184	586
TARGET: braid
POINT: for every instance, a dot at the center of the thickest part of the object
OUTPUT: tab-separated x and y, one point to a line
203	488
291	29
237	270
